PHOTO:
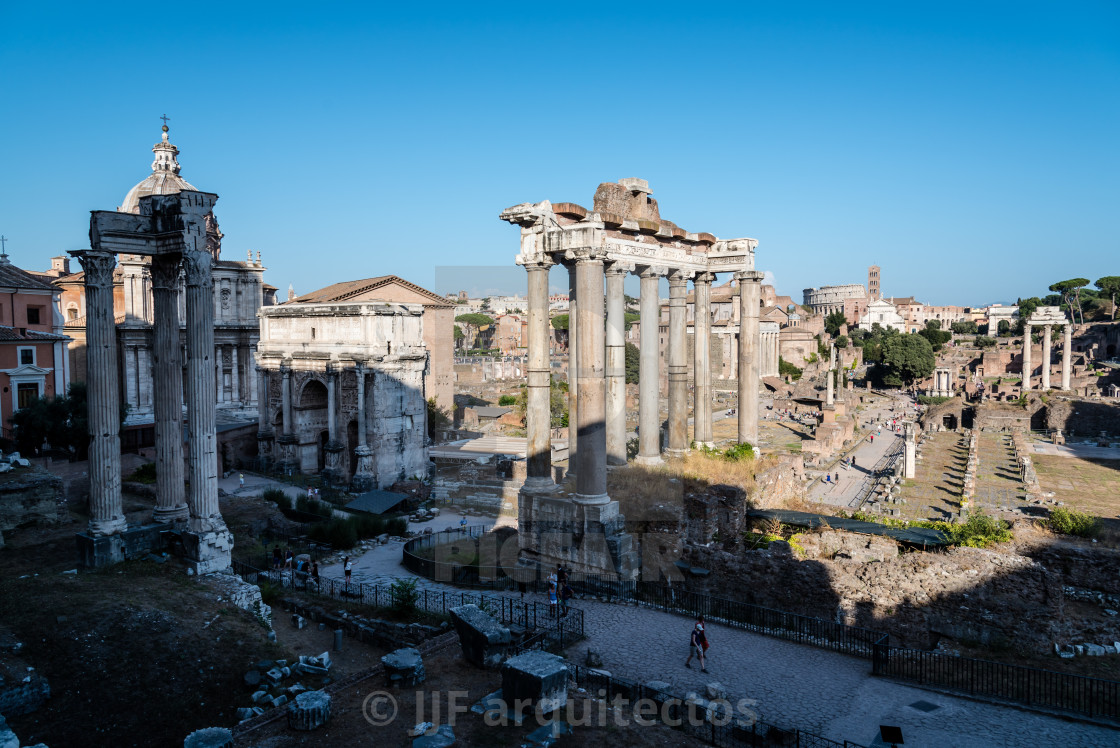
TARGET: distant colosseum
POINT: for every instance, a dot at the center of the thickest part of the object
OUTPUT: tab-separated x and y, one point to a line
828	299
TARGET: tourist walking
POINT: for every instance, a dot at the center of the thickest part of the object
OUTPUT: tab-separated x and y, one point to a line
241	477
347	568
277	557
565	596
697	644
315	574
552	599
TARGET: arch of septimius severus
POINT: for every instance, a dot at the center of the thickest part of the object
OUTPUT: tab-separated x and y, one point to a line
171	230
623	233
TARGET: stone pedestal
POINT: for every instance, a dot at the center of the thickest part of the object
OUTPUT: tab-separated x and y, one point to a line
484	641
207	545
364	477
587	538
404	668
310	710
537	679
334	464
210	737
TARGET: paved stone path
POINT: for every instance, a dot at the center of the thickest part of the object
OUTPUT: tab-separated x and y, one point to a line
795	686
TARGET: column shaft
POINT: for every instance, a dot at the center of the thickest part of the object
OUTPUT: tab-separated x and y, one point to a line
1027	357
702	366
1067	354
360	374
167	386
616	366
573	369
649	418
749	289
103	396
678	364
263	425
538	411
233	376
332	406
286	400
203	473
1046	357
591	470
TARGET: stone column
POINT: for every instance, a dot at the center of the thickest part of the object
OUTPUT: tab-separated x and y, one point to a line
649	419
591	411
364	478
103	396
250	380
286	399
702	365
538	410
677	354
167	385
1067	354
830	396
1046	357
233	377
1026	357
203	473
264	425
750	282
332	460
573	377
616	365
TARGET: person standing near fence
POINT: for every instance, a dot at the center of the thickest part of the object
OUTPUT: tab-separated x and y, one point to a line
565	595
552	599
315	574
348	568
696	645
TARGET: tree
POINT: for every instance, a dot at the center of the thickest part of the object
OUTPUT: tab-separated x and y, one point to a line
833	323
631	318
1110	284
560	322
935	335
983	341
438	418
477	322
1004	327
842	341
633	366
907	358
963	328
1071	292
557	402
457	335
786	369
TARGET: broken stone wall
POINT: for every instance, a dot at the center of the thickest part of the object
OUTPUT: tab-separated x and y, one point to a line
28	496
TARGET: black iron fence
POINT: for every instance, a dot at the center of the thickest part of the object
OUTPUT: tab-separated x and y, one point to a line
1045	689
563	630
720	722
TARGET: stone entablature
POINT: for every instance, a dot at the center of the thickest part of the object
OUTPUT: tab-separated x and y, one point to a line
828	299
344	391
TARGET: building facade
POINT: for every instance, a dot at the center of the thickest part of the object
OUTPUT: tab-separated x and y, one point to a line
828	299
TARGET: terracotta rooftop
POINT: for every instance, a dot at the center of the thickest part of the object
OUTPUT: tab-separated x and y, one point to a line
13	335
13	277
347	290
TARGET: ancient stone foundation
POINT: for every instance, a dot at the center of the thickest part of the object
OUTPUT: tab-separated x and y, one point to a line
588	538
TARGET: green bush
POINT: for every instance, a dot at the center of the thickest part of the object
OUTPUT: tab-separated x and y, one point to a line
314	506
405	595
507	400
1070	522
740	451
277	497
397	526
978	531
786	369
146	473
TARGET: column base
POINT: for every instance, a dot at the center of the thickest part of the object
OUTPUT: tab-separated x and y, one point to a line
105	550
172	514
538	486
207	545
649	460
365	479
591	500
111	526
616	460
676	453
706	444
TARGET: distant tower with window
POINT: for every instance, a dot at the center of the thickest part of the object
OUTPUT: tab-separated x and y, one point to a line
873	289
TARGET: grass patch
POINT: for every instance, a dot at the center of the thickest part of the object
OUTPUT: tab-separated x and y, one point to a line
978	531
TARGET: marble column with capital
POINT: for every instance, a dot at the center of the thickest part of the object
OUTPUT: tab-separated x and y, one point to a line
678	364
103	396
265	434
591	411
649	405
202	432
167	386
1046	357
1027	367
616	364
1067	354
538	410
332	459
750	287
702	366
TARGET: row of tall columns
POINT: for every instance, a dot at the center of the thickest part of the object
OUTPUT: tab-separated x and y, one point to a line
1067	355
597	415
201	501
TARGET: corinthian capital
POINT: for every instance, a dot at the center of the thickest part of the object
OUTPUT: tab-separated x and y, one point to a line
98	268
198	266
165	273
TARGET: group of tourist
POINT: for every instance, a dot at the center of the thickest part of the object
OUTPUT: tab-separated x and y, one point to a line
300	568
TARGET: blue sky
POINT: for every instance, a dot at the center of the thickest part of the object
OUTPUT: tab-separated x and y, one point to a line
970	149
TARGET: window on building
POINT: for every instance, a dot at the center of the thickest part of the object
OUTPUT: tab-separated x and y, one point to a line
72	312
26	356
26	393
32	315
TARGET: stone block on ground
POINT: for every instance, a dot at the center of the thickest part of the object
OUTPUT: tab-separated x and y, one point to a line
210	737
548	735
444	737
485	642
253	678
536	678
310	710
404	667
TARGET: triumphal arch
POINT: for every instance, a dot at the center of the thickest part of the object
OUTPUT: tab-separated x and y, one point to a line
622	233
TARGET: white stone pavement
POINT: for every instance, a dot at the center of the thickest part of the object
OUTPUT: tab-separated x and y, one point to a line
796	686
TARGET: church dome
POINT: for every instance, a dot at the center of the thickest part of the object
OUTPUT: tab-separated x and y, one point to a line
164	179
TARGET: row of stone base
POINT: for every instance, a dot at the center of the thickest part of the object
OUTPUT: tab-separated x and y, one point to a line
205	550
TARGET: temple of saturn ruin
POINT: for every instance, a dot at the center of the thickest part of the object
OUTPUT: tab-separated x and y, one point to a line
1047	317
623	233
171	230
